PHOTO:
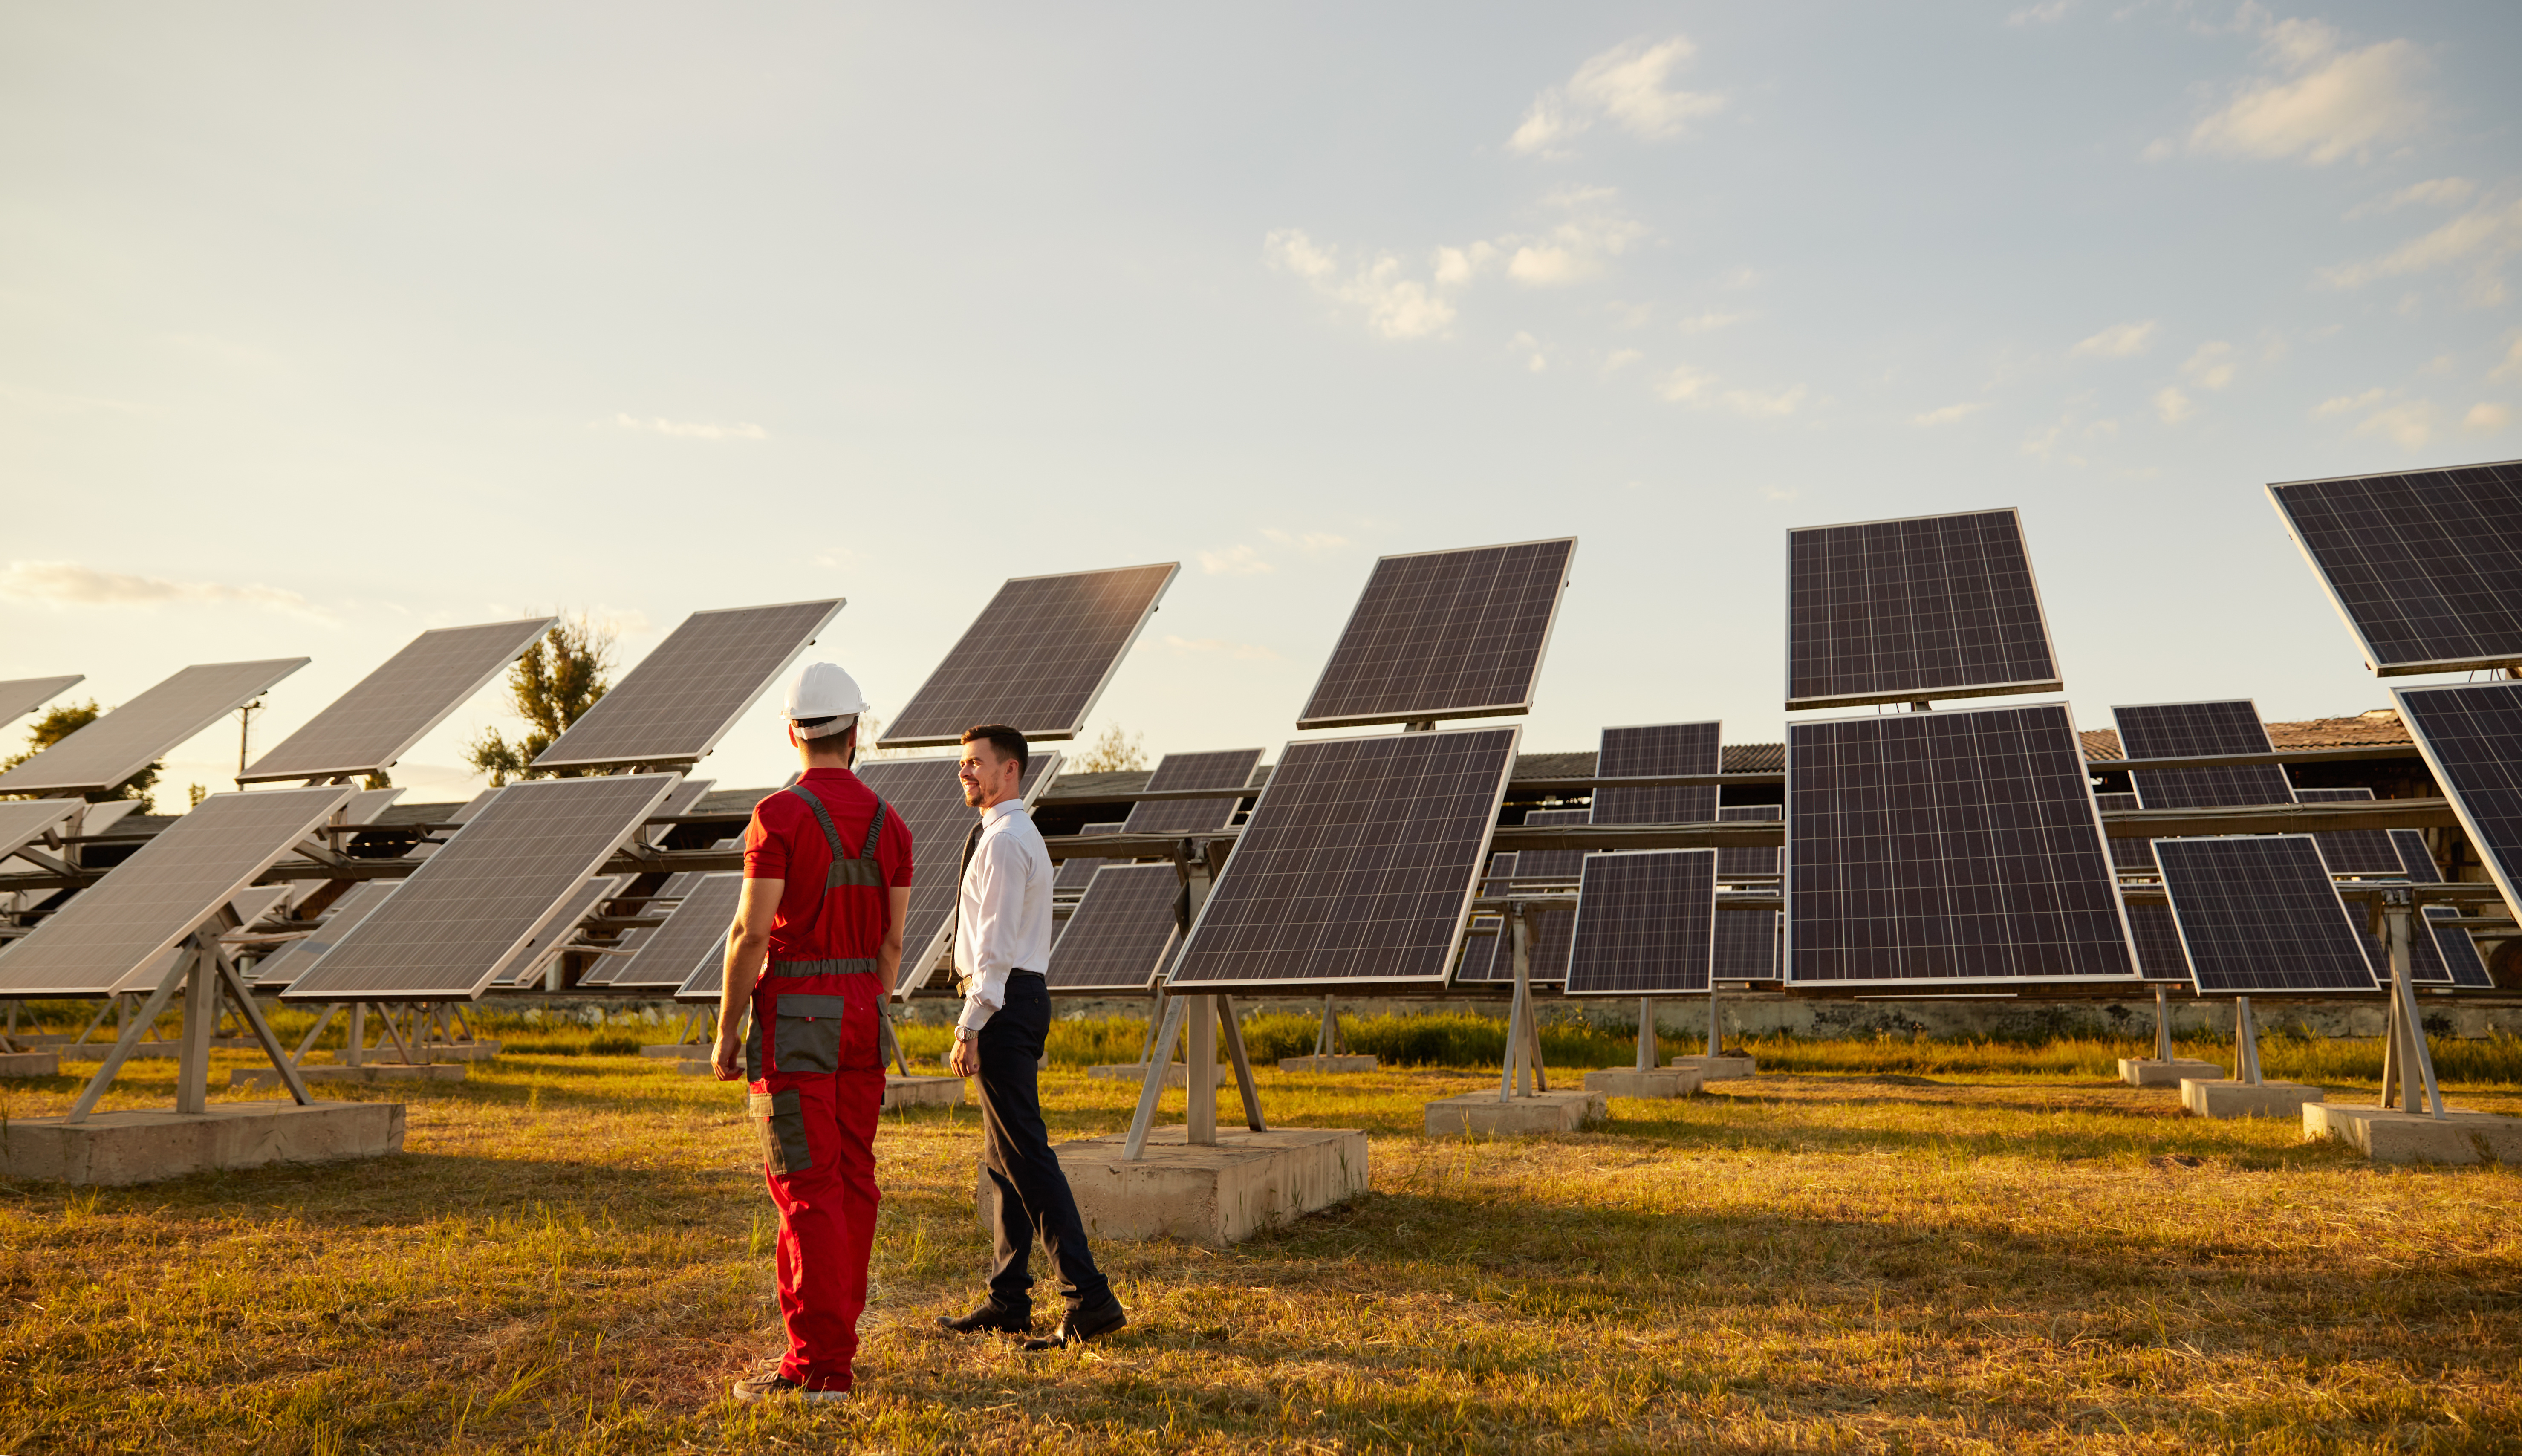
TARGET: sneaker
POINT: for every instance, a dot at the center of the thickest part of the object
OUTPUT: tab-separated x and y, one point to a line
764	1387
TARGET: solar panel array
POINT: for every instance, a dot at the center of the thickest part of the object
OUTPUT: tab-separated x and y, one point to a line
386	711
2156	937
1076	871
2196	729
1954	846
1485	948
2259	915
2367	852
2128	856
694	931
1645	923
2472	737
1121	934
163	893
20	697
929	797
1927	608
1737	862
280	969
1037	657
683	698
23	822
461	918
2426	566
124	741
1551	930
1657	749
665	903
2416	861
527	965
1444	634
2455	955
1356	866
1225	768
1747	944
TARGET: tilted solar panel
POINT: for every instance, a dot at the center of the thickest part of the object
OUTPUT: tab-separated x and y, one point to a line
1658	748
684	697
1747	944
1037	657
2128	856
23	822
1076	871
2367	852
694	931
1225	768
1444	634
2259	915
1356	866
2472	737
2156	937
1121	934
20	697
2424	565
929	797
461	920
167	888
2456	953
122	742
2187	730
1952	846
280	969
2415	860
1645	923
388	711
668	898
1551	930
561	930
1927	608
1741	862
1484	947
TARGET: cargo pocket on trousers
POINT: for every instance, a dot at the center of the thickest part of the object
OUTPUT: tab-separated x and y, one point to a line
806	1033
782	1119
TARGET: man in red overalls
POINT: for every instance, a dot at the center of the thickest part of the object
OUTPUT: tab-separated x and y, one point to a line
816	940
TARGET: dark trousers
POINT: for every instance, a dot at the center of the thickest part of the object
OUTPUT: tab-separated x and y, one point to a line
1034	1201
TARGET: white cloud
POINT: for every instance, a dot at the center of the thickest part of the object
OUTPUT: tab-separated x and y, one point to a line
2485	419
2411	424
1536	359
1309	541
1627	85
691	429
1751	405
1395	307
1619	359
2116	341
2512	366
1772	492
1949	413
1242	651
1709	323
2486	235
2442	192
1684	384
2322	102
2172	405
2048	12
62	583
1577	247
2210	367
1234	561
2348	403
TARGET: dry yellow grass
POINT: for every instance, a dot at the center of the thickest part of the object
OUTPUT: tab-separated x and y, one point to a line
573	1256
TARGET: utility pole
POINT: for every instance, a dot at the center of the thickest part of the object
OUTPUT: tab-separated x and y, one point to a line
245	735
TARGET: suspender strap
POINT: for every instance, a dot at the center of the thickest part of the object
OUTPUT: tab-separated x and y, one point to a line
845	870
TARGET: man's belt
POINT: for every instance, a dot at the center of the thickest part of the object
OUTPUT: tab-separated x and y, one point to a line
861	966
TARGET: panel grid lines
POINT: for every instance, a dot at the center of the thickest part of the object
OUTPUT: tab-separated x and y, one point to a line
1932	606
386	711
1121	934
1444	634
2128	856
1747	944
1658	748
685	695
1076	871
1645	923
1226	767
2426	566
280	969
2259	915
2367	852
1738	862
695	930
2192	729
2472	737
1037	656
124	741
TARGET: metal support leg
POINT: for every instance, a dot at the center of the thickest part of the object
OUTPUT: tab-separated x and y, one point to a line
1233	1030
2422	1093
1647	1047
1715	1025
308	1042
1199	1076
385	1014
201	1015
2162	1023
123	1044
260	1028
353	1054
2246	1042
1152	1087
1515	1080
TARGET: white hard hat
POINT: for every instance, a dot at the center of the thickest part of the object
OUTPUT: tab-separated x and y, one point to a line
821	689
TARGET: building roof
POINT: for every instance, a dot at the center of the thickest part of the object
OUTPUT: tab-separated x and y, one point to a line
2380	725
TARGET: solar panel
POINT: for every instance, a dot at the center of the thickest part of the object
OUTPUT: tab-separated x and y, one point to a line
23	822
1483	952
163	893
1121	934
682	698
694	931
1037	657
2415	860
669	899
281	968
20	697
527	965
1225	768
1551	932
2128	856
1646	923
2472	737
2157	938
2259	915
125	740
1927	608
1357	865
1747	944
1740	861
929	797
687	794
1954	846
1444	634
2367	852
2425	566
465	915
2186	730
1076	871
376	722
2454	951
1658	748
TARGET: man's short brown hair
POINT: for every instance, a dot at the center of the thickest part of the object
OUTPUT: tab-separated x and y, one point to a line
1006	741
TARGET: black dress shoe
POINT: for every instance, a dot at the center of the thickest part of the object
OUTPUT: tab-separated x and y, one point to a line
1082	1325
990	1318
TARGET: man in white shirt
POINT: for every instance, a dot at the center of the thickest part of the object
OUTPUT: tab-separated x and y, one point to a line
1001	943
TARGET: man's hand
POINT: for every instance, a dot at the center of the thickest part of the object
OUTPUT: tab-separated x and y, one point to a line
726	1059
966	1057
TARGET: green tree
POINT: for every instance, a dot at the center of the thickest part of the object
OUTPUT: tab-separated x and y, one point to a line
1116	752
62	722
560	676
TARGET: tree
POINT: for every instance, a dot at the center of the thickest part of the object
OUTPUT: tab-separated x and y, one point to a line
1115	752
560	676
62	722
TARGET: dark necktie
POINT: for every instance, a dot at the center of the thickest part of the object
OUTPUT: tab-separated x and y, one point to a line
971	842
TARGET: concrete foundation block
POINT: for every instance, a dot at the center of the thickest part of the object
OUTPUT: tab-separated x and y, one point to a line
1482	1114
2393	1137
1718	1068
31	1064
122	1147
373	1072
2219	1098
1671	1081
2145	1071
922	1091
1217	1194
1342	1062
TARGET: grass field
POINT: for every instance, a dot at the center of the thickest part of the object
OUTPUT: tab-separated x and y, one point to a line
1895	1246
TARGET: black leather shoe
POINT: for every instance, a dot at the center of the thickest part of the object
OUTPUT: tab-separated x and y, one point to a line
1082	1325
989	1318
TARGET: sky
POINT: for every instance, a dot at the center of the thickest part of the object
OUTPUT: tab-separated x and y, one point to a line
322	325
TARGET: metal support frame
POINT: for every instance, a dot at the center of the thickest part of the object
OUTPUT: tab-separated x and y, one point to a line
2246	1043
1716	1024
2162	1023
1204	1017
200	972
1523	1074
2408	1062
1328	1041
1648	1051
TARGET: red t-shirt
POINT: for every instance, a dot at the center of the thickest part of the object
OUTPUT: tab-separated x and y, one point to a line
785	843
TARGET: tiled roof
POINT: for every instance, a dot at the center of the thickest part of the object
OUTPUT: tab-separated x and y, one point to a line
1755	758
2101	743
2380	725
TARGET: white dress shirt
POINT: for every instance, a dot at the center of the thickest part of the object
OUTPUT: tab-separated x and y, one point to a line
1002	911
